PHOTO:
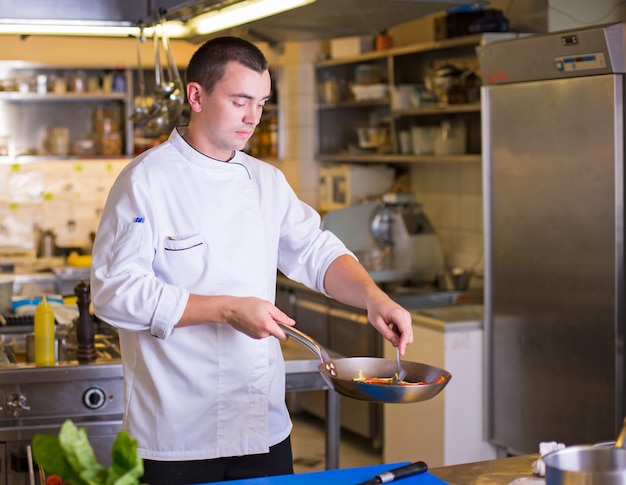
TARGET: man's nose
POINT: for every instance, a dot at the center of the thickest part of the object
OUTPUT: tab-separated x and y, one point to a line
253	115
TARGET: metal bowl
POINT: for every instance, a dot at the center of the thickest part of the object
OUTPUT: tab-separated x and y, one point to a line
586	465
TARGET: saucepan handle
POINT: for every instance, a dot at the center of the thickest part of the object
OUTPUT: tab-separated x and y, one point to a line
620	442
307	341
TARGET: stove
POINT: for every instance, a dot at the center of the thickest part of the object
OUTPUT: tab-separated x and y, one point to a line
38	400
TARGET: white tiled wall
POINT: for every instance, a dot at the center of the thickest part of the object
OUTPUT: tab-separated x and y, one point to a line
66	196
451	194
296	91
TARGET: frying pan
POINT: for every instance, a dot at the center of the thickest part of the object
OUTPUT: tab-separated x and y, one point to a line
339	374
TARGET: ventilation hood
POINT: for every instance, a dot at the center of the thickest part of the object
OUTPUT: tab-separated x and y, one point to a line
320	20
326	19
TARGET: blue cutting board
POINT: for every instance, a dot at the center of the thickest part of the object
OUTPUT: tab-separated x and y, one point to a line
345	476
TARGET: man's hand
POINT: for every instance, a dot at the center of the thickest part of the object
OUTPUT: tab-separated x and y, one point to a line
392	321
255	317
348	282
258	318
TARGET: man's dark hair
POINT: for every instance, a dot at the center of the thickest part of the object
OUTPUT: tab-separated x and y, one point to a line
208	63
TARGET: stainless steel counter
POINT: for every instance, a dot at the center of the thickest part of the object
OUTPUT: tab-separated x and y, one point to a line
491	472
70	381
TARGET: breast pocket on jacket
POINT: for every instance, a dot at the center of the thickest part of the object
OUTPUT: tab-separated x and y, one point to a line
187	258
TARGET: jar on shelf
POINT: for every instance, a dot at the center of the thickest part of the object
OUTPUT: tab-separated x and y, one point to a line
119	82
78	82
42	84
59	84
59	141
111	143
107	131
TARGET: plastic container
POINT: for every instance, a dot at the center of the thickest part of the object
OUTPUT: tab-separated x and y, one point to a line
45	338
451	139
423	139
369	91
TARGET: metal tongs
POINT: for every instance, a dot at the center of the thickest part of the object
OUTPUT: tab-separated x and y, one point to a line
401	374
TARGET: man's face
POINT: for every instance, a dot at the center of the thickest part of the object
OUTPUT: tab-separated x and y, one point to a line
224	120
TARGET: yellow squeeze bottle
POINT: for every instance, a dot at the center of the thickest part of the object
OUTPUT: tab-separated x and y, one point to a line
44	334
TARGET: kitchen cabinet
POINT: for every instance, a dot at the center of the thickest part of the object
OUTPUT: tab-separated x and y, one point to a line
448	429
341	329
349	334
352	335
58	112
382	89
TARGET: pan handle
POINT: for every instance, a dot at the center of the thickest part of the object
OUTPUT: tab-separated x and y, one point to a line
620	442
307	341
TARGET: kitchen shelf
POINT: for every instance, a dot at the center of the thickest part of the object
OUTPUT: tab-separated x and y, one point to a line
398	159
429	46
354	104
438	109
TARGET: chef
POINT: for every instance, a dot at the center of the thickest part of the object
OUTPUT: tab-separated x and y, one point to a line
184	265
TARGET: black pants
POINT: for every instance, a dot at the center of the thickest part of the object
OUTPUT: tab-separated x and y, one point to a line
277	462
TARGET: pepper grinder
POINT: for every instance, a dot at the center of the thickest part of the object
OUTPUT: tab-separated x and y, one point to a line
84	324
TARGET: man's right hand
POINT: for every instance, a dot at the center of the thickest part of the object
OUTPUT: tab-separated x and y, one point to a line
253	316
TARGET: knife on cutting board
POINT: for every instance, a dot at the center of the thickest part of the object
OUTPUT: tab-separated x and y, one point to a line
397	473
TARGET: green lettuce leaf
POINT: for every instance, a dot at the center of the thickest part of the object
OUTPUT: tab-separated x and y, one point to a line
71	457
48	454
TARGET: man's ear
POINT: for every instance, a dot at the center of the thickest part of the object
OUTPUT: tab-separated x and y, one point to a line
194	96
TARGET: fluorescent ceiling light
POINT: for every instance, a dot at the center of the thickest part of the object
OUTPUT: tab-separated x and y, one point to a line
43	27
241	13
173	28
85	29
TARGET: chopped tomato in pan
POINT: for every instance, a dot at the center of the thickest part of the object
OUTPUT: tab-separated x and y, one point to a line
389	381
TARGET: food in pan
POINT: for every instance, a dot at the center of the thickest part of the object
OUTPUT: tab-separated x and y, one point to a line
391	381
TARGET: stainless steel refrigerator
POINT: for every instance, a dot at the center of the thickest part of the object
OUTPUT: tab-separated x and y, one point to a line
553	181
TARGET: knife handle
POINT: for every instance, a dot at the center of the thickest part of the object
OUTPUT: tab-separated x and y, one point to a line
402	472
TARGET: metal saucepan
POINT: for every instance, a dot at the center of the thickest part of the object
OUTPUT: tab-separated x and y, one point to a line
340	375
588	465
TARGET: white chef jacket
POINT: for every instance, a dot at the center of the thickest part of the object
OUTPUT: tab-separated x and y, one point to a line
177	222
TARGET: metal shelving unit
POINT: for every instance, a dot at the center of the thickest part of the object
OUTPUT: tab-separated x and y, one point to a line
31	104
337	119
